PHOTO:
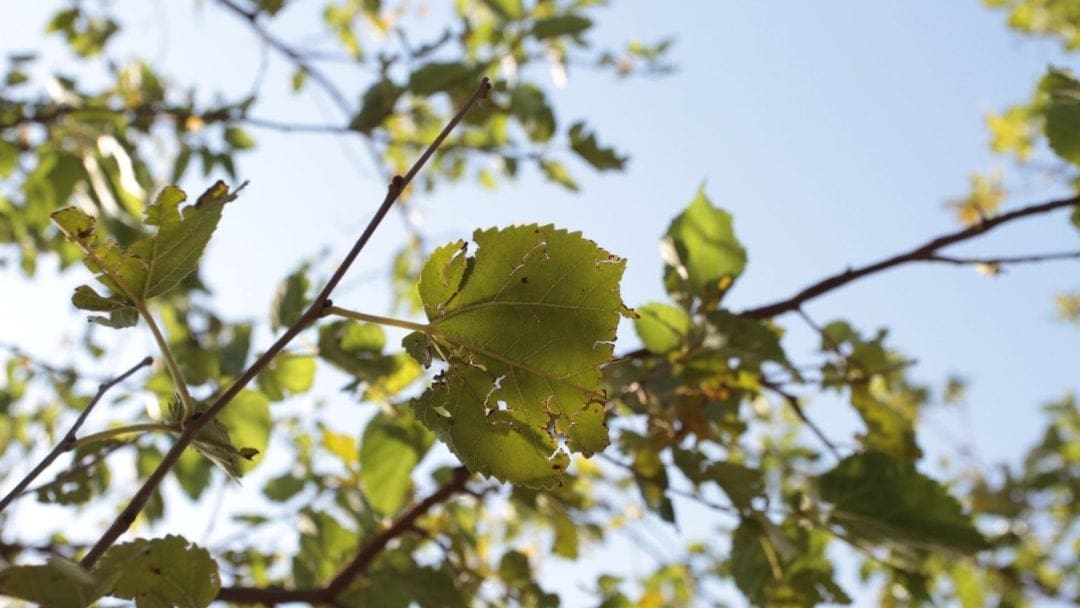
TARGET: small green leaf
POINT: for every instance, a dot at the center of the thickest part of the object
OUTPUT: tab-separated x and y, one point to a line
283	488
889	429
389	450
507	9
557	173
586	146
247	421
9	158
1075	217
879	498
57	584
434	77
376	106
563	25
162	573
529	105
747	342
662	327
1062	114
701	252
288	374
508	396
152	265
290	299
238	138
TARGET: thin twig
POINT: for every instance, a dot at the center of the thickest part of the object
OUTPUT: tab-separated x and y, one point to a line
69	439
793	402
1002	261
925	252
325	595
195	424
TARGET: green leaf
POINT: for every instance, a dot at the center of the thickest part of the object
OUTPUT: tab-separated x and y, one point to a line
288	374
436	76
152	265
751	567
238	138
1075	217
389	450
889	429
586	146
529	105
162	573
748	342
247	421
284	487
9	158
290	299
700	251
376	106
557	173
213	442
507	9
662	327
563	25
879	498
57	584
508	396
1062	114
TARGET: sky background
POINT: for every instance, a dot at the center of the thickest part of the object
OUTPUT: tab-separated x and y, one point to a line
832	131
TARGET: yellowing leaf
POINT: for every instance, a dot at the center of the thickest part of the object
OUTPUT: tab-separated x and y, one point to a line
524	326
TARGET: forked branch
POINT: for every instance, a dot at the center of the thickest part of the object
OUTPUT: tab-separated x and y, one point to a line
194	424
69	441
325	595
927	252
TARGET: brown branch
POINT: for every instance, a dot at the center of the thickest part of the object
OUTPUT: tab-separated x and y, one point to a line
69	438
1002	261
925	252
197	422
793	402
359	564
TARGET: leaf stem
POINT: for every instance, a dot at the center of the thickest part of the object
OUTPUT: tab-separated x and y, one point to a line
363	316
318	306
69	442
170	361
124	430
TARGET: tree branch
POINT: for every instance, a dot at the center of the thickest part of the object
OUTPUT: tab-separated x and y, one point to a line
793	402
1006	260
359	564
925	252
69	440
194	424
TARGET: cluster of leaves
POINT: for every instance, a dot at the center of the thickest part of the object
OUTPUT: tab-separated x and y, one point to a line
512	372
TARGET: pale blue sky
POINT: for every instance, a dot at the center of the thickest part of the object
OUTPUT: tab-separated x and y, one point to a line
833	131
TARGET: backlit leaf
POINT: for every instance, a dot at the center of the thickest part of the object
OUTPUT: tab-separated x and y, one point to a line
58	584
563	25
389	450
162	573
661	327
701	254
586	146
525	326
879	498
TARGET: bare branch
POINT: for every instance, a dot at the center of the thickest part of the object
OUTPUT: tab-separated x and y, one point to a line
318	306
68	441
922	253
1007	260
325	595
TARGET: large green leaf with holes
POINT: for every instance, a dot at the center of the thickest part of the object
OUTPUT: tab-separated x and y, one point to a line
524	327
162	572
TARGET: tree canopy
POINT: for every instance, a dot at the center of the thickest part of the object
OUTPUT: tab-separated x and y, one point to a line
510	406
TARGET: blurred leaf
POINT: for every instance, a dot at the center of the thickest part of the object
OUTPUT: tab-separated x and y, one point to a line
700	251
562	25
376	106
287	375
878	498
57	584
586	146
247	420
557	173
238	138
662	327
162	572
390	449
290	299
436	76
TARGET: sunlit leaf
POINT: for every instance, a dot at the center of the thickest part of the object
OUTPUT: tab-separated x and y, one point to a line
389	450
162	573
509	396
701	254
661	327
